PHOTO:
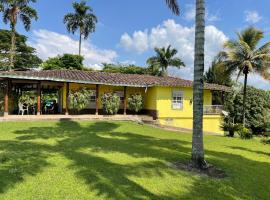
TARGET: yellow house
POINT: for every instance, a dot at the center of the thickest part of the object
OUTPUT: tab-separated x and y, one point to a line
169	100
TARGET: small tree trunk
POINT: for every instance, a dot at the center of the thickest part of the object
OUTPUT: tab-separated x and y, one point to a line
80	43
244	99
13	47
198	88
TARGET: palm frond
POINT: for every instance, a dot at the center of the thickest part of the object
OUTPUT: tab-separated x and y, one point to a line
174	6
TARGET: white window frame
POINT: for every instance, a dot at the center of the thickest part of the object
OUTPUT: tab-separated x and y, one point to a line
177	100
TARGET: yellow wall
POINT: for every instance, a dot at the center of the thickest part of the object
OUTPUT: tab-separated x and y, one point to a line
184	118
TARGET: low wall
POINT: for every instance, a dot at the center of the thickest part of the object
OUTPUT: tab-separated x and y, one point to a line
211	123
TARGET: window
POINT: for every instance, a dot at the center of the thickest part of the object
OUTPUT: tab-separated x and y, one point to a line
121	95
177	100
93	96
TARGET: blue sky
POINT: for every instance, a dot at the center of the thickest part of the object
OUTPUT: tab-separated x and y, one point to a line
129	30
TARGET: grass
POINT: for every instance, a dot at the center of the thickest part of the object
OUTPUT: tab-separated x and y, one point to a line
121	160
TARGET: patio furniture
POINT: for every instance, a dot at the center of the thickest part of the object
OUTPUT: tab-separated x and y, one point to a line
23	108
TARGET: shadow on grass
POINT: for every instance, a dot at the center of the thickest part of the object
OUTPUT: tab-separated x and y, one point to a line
110	176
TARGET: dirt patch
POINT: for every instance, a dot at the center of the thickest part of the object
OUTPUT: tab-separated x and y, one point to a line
210	170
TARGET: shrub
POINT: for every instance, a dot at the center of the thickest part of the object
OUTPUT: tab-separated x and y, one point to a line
231	128
245	133
257	107
265	141
79	98
29	98
110	103
135	102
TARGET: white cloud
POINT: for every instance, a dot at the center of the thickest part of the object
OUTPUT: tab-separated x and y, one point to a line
138	41
190	13
50	44
182	38
252	17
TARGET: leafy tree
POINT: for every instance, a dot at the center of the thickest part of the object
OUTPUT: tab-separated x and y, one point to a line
257	105
164	58
66	61
244	56
12	10
25	56
124	69
83	20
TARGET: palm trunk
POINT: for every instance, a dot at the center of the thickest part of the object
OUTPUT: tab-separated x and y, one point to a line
80	43
244	99
198	87
13	47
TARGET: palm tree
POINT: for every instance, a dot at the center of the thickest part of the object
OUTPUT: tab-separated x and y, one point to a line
12	9
197	138
164	58
198	88
244	56
83	19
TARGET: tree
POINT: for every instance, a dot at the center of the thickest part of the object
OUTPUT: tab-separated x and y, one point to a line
164	58
66	61
83	20
12	9
198	85
25	56
218	74
244	56
124	69
198	88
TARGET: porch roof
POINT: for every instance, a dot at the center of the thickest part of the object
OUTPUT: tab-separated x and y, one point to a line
104	78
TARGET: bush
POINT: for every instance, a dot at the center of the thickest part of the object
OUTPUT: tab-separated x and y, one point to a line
257	107
79	98
110	103
135	102
231	128
29	98
245	133
265	141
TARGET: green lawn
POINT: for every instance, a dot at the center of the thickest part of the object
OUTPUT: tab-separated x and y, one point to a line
120	160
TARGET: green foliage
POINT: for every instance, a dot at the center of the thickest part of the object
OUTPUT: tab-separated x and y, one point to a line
2	87
265	141
230	128
110	103
45	97
82	19
25	56
28	97
124	69
79	99
67	61
244	133
257	104
135	102
218	74
164	58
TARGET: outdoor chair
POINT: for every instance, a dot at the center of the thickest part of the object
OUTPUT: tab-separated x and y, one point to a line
23	108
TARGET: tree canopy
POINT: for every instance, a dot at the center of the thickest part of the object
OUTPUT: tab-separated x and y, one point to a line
124	69
66	61
25	56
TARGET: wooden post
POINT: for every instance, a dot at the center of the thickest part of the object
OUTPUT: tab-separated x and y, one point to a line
97	98
67	98
125	100
6	99
39	98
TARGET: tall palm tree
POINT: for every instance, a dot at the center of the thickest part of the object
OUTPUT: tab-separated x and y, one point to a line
83	20
164	58
12	9
197	138
244	56
197	159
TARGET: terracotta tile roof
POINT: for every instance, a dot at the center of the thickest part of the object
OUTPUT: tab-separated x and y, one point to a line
105	78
